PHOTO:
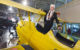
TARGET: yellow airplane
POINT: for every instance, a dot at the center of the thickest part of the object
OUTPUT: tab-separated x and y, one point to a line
29	35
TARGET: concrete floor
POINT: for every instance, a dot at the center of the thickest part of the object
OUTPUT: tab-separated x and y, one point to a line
6	43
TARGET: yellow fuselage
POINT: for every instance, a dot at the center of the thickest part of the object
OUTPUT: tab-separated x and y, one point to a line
28	34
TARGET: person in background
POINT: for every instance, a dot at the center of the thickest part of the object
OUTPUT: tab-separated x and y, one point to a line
48	20
69	31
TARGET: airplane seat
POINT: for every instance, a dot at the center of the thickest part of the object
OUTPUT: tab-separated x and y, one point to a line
27	47
39	28
65	41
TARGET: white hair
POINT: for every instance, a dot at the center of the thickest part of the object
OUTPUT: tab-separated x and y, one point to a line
52	5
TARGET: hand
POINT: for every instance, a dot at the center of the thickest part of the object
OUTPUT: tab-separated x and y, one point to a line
48	16
59	27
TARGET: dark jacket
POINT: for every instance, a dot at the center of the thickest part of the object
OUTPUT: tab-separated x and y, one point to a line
54	17
50	22
47	24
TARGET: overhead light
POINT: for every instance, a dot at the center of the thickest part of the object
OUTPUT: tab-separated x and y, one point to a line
10	9
24	2
13	19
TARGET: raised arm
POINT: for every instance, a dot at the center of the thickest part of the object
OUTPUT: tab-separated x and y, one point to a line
56	18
